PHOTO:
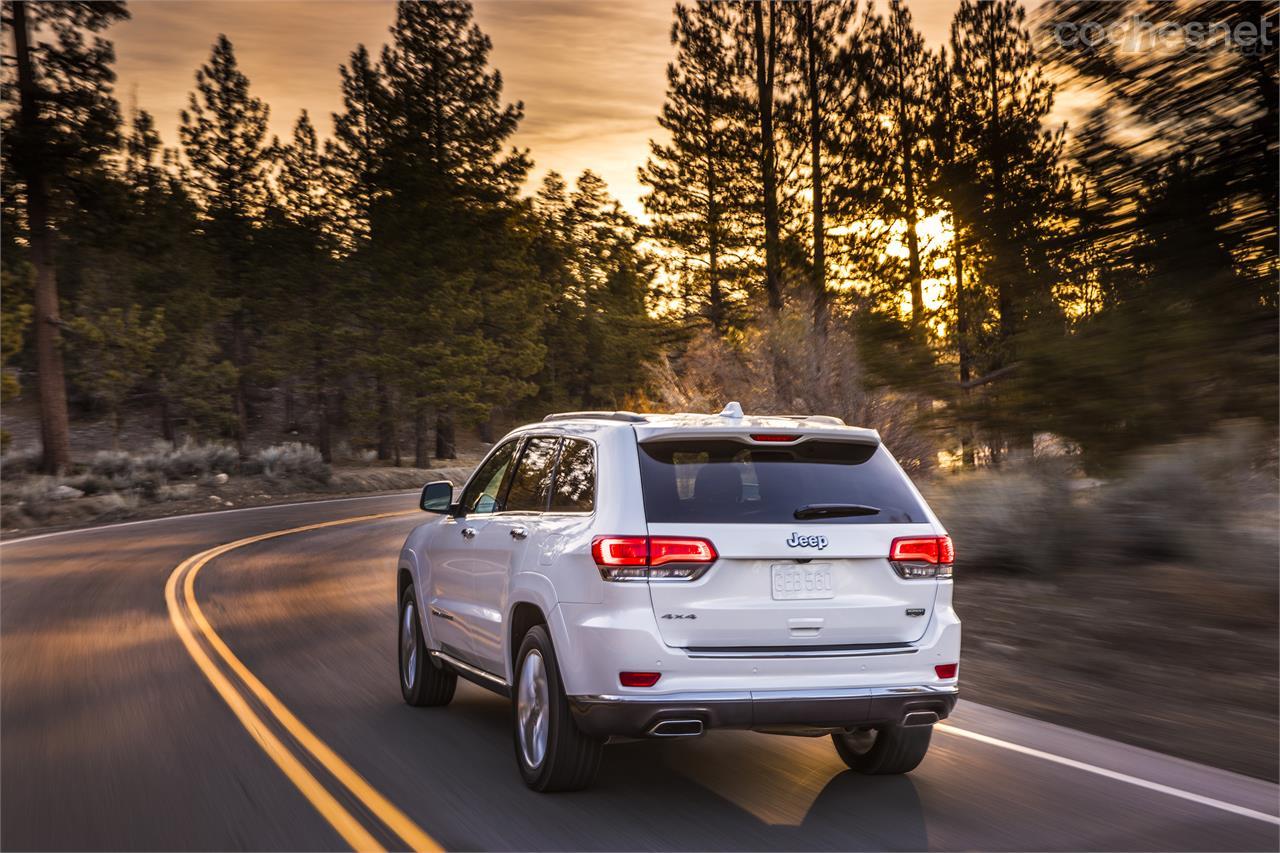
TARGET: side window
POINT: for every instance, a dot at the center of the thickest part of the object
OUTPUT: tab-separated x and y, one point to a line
486	486
575	489
532	481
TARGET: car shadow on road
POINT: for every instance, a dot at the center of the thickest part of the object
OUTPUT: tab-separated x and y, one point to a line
725	791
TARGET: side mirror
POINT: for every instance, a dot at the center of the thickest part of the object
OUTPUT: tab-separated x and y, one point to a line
437	496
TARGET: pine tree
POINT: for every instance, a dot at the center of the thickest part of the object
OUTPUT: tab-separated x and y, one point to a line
828	45
455	249
700	184
358	148
161	262
115	352
64	121
599	335
900	98
310	327
1001	98
358	157
224	136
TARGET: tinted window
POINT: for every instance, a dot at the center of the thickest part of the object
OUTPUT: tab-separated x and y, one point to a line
531	484
575	479
726	481
486	486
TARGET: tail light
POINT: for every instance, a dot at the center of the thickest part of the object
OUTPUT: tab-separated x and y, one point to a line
624	558
915	557
944	670
773	436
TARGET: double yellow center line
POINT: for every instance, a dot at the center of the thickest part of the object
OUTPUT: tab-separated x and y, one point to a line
189	621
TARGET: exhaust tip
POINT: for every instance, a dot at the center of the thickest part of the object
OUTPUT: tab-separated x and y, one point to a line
676	728
920	718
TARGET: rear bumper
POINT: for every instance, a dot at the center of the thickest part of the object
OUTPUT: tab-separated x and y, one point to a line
795	711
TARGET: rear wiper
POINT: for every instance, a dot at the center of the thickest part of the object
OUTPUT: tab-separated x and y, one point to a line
834	510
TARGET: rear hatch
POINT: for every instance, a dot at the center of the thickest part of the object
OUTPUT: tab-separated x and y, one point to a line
802	530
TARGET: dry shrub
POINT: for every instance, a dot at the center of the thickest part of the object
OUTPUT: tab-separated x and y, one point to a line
190	460
291	461
1209	503
779	366
20	463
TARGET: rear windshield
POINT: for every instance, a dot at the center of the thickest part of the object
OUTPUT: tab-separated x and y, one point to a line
722	481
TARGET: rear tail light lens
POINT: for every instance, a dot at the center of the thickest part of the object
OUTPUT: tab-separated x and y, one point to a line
944	670
639	679
916	557
771	436
622	558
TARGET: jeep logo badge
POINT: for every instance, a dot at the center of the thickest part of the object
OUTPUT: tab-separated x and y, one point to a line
798	541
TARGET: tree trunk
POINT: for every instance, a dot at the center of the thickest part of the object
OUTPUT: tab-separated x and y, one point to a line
167	429
324	436
913	264
55	428
386	428
421	449
765	50
446	447
240	359
290	409
815	158
962	340
1003	247
715	300
906	151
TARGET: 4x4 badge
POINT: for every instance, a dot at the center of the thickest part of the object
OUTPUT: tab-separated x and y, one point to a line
679	616
798	541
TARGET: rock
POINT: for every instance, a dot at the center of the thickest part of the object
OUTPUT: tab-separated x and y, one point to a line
215	499
220	478
65	492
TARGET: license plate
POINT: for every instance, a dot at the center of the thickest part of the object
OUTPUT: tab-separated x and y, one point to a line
799	582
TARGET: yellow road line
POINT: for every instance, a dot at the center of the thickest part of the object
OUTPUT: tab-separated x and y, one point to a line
375	802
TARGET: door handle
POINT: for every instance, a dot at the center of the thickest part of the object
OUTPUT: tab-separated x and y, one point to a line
468	533
519	533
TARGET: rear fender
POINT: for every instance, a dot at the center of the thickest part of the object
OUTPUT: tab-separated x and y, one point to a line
536	589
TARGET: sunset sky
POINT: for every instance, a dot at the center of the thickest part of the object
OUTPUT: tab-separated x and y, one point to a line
591	73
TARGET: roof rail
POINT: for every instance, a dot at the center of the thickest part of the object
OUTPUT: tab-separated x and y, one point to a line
626	417
822	419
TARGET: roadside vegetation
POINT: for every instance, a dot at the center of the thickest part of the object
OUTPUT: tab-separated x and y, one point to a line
117	485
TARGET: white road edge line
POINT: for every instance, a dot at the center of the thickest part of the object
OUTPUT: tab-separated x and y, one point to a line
1112	774
22	539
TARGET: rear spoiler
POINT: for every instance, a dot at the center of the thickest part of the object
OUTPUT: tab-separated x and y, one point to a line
744	433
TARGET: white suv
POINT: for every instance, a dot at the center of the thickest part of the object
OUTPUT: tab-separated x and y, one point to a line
624	575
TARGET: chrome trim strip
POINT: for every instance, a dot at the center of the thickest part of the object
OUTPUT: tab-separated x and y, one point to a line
926	689
802	654
452	661
695	698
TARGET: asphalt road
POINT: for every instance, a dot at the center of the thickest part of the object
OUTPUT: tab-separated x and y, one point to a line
113	737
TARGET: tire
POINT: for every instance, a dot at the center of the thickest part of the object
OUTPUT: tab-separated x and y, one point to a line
567	759
423	682
885	751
